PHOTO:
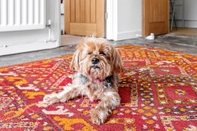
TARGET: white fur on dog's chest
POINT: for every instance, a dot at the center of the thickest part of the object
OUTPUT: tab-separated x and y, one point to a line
94	91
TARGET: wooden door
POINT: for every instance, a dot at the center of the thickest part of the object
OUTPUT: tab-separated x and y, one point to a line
155	17
84	17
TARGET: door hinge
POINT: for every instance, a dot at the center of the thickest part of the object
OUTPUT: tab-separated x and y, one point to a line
106	15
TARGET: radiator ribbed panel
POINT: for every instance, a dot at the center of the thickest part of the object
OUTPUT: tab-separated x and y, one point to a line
22	15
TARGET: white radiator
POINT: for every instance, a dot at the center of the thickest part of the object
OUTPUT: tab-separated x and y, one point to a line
18	15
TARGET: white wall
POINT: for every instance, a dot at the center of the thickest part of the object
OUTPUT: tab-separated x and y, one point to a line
129	18
24	41
124	19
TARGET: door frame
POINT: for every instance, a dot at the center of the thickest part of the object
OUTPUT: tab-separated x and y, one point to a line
112	20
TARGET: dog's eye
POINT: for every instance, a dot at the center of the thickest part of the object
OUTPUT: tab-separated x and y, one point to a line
89	53
102	53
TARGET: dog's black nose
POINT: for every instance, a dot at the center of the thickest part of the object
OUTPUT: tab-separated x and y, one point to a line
95	60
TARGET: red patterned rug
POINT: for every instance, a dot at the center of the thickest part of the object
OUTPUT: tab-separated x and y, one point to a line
158	92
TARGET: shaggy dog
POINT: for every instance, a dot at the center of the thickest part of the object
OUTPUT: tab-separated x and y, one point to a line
97	65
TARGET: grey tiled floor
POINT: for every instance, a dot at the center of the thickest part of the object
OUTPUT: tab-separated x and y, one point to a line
181	43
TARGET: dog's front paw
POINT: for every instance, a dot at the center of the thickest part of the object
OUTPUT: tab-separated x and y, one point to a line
98	116
50	99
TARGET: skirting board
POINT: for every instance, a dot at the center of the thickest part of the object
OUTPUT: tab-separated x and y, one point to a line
128	35
27	48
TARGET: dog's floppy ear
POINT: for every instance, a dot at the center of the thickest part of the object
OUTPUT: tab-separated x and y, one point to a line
74	65
117	61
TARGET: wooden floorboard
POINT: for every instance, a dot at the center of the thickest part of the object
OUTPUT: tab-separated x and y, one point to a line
184	30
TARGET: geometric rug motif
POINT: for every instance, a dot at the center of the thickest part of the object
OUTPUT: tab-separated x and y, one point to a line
158	91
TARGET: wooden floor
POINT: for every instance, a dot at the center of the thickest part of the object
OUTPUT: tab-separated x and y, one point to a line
186	31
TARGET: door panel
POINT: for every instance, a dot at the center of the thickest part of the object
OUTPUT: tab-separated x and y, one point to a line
155	17
84	17
82	28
